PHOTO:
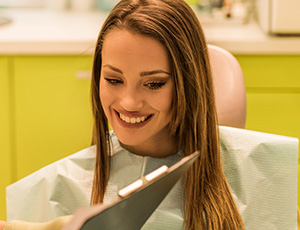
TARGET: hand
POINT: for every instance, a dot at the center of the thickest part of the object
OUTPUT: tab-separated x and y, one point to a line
56	224
2	224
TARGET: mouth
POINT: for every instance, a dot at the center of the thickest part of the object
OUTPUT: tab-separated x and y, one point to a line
133	120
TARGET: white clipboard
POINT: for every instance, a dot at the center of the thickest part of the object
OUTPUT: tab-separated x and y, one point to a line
135	203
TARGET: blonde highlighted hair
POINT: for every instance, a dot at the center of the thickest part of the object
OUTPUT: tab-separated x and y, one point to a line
208	202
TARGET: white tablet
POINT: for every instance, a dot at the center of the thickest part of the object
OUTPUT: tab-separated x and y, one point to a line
135	203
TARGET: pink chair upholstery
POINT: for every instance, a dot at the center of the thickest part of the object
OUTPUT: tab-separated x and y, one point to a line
229	88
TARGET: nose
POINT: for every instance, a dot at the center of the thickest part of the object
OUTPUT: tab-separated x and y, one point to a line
132	99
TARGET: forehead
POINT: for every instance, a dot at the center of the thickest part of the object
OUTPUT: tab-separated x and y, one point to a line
131	38
132	45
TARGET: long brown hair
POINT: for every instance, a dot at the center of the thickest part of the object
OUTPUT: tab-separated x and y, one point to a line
208	201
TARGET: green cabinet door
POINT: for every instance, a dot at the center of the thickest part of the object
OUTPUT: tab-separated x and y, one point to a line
274	112
273	94
53	115
5	138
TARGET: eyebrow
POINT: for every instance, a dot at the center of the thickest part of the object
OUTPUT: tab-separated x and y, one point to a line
113	68
153	72
142	74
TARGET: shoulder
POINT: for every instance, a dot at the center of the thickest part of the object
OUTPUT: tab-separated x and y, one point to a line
257	165
57	189
83	159
242	148
236	135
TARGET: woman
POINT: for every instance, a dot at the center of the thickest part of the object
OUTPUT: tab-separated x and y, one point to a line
152	83
184	78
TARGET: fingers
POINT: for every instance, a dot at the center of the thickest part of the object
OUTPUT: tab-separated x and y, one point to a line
2	224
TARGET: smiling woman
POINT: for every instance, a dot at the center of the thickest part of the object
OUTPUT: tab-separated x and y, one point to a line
136	91
173	102
152	82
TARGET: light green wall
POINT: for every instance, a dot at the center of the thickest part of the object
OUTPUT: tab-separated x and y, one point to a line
192	2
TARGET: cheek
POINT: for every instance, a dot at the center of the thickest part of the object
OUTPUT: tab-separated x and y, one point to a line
168	101
162	102
169	104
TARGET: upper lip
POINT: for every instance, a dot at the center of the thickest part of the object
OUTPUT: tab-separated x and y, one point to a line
132	114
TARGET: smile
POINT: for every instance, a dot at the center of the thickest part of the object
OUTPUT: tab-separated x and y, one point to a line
133	120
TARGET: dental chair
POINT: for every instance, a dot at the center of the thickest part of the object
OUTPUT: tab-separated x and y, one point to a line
229	86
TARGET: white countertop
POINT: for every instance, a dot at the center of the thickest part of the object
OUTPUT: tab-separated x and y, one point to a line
36	32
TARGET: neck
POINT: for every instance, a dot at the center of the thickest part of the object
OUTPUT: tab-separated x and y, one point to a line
154	149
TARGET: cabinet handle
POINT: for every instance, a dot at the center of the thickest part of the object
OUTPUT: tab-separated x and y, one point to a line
83	74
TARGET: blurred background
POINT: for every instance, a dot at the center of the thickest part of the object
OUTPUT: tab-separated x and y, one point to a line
46	53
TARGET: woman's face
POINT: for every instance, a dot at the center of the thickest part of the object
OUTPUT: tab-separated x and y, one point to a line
136	90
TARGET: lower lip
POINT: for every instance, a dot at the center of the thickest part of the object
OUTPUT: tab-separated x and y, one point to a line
132	126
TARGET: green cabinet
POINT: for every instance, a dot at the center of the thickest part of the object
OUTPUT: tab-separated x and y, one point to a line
45	113
273	94
5	134
53	115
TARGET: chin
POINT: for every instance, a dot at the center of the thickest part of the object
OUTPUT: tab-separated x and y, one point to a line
129	139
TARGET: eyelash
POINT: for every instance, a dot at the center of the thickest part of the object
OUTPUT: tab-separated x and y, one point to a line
113	81
154	85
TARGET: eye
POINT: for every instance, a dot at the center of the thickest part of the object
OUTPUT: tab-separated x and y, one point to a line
113	81
155	85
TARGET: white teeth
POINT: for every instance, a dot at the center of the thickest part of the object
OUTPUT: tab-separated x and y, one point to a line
132	120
